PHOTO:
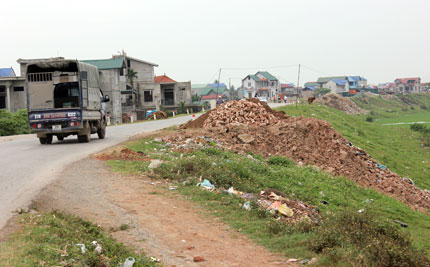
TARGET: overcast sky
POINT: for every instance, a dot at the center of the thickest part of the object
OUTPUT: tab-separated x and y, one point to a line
192	39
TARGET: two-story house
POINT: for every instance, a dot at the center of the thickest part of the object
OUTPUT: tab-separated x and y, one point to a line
261	84
408	85
12	93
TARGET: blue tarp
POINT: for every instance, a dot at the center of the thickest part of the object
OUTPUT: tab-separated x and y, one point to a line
6	72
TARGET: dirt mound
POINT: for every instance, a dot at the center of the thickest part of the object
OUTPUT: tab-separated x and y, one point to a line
244	112
340	103
158	115
314	142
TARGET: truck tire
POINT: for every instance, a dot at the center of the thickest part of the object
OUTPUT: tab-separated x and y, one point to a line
60	138
84	138
46	140
101	132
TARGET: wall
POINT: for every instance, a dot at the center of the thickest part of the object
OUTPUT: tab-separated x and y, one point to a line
111	84
156	95
183	93
145	72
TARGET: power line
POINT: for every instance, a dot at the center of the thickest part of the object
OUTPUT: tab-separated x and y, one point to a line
317	71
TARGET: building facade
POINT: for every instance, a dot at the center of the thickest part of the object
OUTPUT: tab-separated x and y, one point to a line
261	84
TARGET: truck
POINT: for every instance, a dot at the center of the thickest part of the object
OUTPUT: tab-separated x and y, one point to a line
64	98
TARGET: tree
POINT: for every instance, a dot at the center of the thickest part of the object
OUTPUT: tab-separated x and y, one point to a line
131	74
233	92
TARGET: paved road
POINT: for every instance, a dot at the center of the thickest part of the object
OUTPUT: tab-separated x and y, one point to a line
26	167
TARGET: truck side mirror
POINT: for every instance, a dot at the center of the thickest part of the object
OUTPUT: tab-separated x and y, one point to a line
106	99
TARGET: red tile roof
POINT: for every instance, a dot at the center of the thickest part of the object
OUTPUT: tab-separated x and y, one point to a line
405	81
209	97
163	79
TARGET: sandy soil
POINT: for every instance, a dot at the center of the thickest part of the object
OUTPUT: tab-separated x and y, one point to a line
163	224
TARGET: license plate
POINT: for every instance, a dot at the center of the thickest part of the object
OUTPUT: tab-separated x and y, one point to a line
56	127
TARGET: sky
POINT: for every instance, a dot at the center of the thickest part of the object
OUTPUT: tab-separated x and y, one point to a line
191	40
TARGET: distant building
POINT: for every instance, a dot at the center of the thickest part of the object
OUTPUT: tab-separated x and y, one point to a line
337	86
261	84
214	91
12	90
288	89
408	85
343	84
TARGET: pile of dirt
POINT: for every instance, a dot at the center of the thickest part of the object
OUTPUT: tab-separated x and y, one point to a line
340	103
158	115
123	154
313	142
245	112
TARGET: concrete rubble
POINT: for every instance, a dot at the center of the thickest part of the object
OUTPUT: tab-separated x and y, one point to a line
340	103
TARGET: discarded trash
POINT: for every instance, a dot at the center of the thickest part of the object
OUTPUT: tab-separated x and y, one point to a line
275	205
129	262
274	196
98	249
155	163
380	166
305	261
360	210
285	210
292	260
322	194
206	185
408	180
82	246
324	202
369	200
94	243
153	259
247	205
173	187
402	224
198	259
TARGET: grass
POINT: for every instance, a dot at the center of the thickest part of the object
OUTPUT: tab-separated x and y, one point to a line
50	239
406	119
225	169
399	148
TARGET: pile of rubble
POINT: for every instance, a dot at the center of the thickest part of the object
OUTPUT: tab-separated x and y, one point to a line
307	141
340	103
242	112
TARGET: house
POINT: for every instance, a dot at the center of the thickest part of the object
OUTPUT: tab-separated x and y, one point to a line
356	82
425	87
196	89
112	83
288	89
337	86
214	91
12	92
262	84
322	81
173	94
407	85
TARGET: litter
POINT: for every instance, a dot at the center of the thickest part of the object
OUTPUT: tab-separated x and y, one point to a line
206	185
172	188
94	243
324	202
380	166
360	210
153	259
402	224
247	205
82	246
305	261
275	205
129	262
198	259
98	249
285	210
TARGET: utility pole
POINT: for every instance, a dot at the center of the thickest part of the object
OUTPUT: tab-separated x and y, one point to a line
297	88
217	85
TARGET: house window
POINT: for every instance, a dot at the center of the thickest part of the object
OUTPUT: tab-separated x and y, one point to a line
128	63
249	84
18	89
147	96
121	72
273	83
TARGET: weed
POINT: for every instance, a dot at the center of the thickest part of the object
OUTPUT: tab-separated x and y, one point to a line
281	161
124	227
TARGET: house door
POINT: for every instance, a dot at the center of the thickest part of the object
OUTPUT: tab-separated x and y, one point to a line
2	97
169	97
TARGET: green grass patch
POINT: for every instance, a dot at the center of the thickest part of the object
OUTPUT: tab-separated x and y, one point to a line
50	239
405	120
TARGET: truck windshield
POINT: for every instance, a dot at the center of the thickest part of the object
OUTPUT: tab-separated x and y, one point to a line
66	95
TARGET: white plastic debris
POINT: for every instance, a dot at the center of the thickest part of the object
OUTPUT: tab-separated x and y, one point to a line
82	246
94	243
129	262
98	249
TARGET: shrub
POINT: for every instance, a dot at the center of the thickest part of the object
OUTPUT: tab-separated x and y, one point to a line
423	130
281	161
369	119
366	239
423	107
13	123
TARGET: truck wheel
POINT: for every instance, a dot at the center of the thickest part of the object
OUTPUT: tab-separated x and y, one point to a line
60	138
49	139
84	138
101	132
42	140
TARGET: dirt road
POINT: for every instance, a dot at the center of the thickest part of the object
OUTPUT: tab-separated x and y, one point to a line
162	223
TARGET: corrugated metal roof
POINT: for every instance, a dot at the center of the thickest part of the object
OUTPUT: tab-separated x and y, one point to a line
215	85
327	79
198	86
206	91
7	72
339	81
107	64
267	75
